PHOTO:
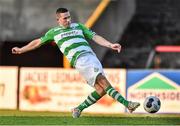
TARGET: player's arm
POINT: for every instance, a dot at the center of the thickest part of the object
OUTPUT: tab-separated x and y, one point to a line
99	40
30	46
48	37
103	42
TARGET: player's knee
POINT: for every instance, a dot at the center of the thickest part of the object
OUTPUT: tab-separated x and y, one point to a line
99	89
102	81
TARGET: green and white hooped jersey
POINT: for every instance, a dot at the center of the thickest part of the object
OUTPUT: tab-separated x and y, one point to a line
71	41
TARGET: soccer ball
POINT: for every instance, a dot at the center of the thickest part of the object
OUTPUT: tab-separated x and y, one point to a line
152	104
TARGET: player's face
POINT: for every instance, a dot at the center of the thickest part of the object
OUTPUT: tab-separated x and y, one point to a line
64	19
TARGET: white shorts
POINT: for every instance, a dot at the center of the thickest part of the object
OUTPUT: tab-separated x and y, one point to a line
89	67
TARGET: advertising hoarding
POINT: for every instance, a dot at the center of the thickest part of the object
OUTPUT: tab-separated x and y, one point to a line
165	84
56	89
8	87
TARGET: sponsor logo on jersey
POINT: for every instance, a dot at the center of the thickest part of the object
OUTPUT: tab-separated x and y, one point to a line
68	34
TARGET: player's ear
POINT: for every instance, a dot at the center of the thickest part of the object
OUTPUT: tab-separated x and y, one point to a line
57	17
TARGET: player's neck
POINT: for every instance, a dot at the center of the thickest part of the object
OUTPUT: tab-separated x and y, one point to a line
64	27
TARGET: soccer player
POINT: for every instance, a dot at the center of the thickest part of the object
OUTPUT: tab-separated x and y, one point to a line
71	40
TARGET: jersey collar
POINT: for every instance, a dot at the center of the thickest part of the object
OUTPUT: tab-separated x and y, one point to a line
62	27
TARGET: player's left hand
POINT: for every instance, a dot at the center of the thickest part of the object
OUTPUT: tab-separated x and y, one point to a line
116	46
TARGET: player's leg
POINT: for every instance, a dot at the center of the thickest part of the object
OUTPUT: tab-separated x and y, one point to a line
90	100
89	67
104	83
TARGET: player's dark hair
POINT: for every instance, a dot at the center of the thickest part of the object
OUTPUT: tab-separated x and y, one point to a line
61	10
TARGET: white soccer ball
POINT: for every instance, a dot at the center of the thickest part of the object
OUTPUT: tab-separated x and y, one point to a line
152	104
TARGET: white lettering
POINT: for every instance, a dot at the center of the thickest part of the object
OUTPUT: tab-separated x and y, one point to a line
67	34
173	95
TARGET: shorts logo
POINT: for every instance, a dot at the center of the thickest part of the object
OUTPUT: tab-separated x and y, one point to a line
90	81
96	69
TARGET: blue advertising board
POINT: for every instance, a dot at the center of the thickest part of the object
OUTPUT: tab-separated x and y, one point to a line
164	84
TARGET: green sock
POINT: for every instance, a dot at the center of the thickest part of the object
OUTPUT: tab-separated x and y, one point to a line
116	95
91	99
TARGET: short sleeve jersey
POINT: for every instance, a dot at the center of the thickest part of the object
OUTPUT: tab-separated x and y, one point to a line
71	41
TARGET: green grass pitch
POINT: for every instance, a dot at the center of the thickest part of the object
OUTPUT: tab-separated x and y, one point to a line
15	117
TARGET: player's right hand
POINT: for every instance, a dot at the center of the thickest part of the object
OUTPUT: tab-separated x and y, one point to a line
16	50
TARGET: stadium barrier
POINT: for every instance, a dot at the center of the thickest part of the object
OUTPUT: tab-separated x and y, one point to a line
164	84
8	87
58	89
164	57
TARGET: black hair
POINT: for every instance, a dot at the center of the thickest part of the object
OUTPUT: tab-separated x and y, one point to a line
61	10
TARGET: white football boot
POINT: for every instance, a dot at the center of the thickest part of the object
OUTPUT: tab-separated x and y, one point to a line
132	106
76	113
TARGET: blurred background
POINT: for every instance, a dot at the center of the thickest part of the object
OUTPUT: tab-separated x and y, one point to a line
148	30
138	25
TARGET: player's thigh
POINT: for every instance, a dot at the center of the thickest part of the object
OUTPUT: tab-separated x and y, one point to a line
89	67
